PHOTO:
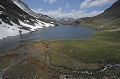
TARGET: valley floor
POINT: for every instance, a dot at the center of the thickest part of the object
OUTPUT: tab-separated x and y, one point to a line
94	58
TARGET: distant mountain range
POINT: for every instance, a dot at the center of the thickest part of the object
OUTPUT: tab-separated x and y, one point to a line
16	17
109	19
63	19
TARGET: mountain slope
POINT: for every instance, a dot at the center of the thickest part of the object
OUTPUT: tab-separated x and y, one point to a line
25	8
16	16
109	19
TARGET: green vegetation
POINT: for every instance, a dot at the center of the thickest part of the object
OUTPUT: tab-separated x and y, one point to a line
65	57
103	47
99	22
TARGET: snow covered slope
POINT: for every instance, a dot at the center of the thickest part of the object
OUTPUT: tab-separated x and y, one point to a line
16	17
25	8
22	5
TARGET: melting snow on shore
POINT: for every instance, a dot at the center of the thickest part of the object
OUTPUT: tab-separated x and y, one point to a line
7	30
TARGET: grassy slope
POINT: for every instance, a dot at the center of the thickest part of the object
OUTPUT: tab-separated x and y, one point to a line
102	48
99	22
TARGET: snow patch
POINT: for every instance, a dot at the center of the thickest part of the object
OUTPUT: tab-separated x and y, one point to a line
2	7
6	30
37	25
1	12
20	5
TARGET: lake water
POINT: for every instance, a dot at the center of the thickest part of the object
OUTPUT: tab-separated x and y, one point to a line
49	33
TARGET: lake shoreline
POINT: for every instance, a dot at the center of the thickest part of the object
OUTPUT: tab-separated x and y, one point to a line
84	58
58	33
66	57
84	73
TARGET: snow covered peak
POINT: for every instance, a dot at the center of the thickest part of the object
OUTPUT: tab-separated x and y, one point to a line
22	5
25	8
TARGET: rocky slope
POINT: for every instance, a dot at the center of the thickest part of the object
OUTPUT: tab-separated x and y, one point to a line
25	8
16	17
109	19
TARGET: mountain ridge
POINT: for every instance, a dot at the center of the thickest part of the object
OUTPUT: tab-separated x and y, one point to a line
16	16
109	19
25	7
